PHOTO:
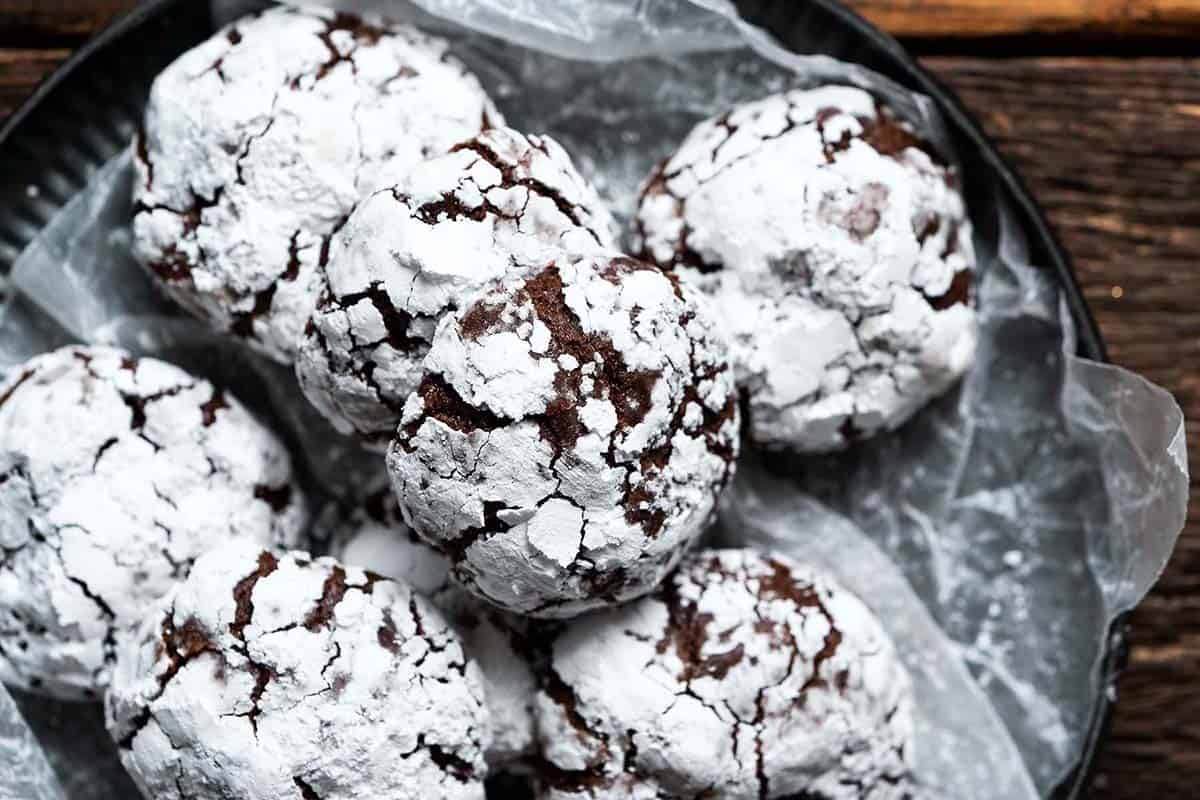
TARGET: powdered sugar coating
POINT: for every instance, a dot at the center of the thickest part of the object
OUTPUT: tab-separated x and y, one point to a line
742	676
375	537
491	207
815	217
272	676
259	141
116	473
570	436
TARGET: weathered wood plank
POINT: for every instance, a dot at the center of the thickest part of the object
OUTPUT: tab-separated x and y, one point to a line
965	18
20	71
24	22
917	18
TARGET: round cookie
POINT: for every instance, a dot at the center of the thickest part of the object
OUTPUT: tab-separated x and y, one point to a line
493	206
272	676
742	676
374	536
258	142
838	251
570	437
116	473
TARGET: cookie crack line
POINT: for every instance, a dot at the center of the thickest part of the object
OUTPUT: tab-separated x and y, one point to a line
632	406
959	293
309	625
509	179
361	31
594	775
364	372
180	645
723	611
487	194
191	641
137	403
243	596
891	351
395	321
77	424
220	266
560	425
173	265
882	132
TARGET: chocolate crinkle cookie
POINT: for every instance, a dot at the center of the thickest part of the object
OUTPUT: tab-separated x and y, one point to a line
817	217
374	536
407	255
258	142
269	676
116	473
570	437
744	676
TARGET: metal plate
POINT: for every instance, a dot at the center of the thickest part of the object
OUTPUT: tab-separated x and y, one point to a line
88	109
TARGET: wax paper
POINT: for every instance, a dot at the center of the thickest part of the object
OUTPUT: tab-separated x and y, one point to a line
77	748
25	774
1025	510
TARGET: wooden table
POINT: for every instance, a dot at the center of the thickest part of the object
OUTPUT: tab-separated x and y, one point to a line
1098	104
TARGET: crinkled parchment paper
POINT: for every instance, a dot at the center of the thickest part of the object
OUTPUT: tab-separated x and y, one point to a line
25	774
1027	510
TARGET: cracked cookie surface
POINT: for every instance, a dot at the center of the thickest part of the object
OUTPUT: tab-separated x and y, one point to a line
375	537
743	676
258	142
838	251
570	436
116	473
491	207
272	676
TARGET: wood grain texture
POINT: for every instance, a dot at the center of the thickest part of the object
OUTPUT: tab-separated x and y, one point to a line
34	19
966	18
26	22
21	70
1111	148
